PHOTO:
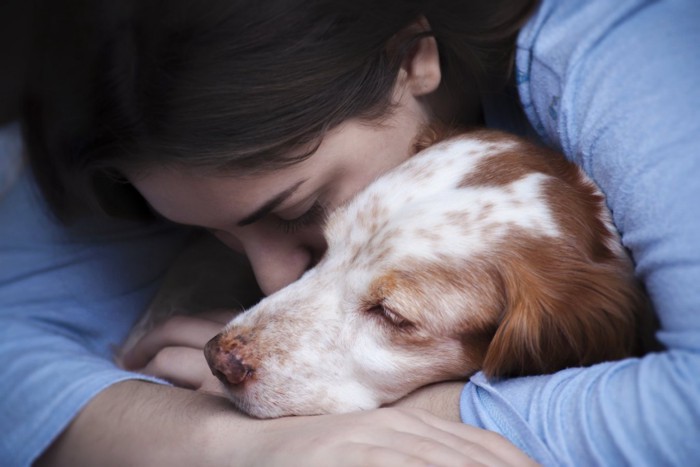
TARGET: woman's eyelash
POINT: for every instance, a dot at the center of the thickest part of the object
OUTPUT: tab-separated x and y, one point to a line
314	215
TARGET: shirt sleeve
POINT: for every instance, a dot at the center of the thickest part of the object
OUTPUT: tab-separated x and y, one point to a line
68	297
614	85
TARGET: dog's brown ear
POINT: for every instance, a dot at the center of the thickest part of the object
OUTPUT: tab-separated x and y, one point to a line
562	312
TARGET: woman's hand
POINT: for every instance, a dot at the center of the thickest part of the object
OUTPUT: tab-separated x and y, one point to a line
173	351
383	437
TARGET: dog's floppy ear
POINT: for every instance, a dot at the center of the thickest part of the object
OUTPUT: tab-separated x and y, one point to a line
562	312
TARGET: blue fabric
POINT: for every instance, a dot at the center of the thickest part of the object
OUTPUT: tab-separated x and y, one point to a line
615	86
67	297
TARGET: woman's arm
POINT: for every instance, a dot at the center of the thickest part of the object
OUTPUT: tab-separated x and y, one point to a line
68	296
138	423
614	85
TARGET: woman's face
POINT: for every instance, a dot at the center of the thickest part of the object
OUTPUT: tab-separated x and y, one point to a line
275	218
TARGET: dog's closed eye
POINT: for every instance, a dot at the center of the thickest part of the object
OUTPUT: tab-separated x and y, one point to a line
387	314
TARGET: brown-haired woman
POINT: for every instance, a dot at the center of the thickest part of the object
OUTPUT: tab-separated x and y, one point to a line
252	119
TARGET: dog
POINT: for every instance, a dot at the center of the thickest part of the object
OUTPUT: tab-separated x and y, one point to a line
482	252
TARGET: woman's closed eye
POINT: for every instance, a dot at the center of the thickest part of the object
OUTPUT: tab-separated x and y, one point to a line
315	215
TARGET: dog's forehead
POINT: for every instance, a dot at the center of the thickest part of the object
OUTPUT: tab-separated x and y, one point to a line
423	209
436	170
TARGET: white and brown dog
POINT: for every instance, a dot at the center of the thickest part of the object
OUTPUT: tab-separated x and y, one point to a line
481	252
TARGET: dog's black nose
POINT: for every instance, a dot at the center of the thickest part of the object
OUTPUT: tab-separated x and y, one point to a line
224	363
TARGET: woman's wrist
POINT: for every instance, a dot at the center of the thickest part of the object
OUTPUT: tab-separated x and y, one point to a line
441	399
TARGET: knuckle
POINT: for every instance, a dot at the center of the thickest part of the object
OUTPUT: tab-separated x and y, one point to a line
398	418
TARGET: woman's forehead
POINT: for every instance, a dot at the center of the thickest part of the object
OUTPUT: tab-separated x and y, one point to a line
191	197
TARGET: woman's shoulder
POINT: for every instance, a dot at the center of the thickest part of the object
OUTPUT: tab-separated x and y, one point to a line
579	62
561	36
562	31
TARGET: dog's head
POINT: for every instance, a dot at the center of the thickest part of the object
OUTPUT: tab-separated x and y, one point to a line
481	252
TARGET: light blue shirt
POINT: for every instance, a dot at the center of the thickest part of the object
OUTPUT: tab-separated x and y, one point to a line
68	296
615	85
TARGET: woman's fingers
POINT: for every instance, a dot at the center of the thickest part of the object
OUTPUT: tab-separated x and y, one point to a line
390	436
485	446
221	316
449	443
437	447
442	399
179	331
371	455
173	350
184	367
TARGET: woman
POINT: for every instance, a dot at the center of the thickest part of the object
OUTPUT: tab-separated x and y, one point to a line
252	120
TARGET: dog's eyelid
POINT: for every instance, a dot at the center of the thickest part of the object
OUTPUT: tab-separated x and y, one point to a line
390	315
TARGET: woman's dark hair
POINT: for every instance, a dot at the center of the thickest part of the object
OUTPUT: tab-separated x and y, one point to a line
231	84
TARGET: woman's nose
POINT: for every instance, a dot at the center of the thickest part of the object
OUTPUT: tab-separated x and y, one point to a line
276	268
277	262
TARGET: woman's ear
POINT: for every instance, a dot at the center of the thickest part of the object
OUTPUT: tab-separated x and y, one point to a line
421	65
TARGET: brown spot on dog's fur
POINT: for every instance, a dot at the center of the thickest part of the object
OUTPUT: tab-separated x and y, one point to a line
578	207
507	165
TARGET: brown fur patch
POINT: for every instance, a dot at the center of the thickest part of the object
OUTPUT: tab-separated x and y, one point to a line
577	205
562	309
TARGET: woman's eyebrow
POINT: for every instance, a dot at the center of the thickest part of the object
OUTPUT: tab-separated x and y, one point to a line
269	205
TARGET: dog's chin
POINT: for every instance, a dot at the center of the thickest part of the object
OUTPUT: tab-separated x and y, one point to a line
262	407
268	412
